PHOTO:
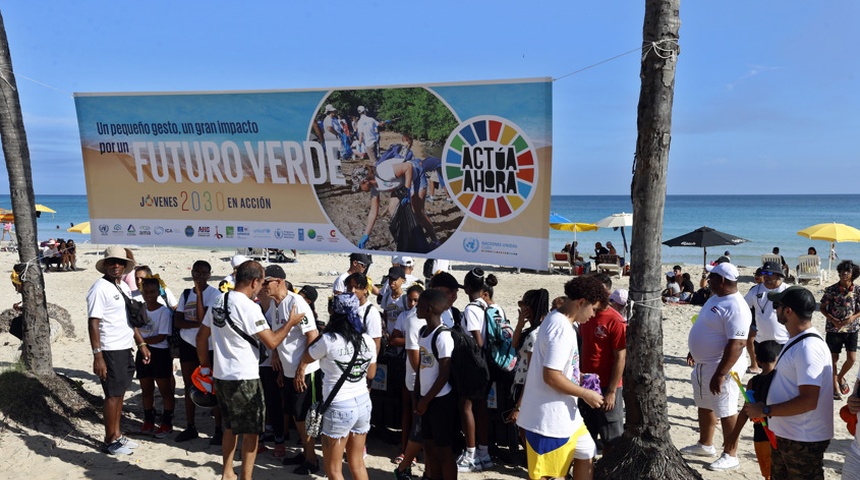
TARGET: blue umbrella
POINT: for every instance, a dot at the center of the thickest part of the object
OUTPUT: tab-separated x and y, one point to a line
556	218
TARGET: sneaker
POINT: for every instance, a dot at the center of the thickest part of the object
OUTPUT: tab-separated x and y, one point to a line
218	438
699	450
307	468
298	459
468	464
279	452
486	462
189	433
117	448
127	442
148	428
725	462
163	430
404	475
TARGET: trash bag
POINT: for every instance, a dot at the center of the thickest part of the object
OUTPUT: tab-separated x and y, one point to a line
408	235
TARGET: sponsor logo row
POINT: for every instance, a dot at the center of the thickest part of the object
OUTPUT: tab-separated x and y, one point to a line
218	232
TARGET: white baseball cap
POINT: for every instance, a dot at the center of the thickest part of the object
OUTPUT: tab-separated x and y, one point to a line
238	260
619	296
361	109
725	270
407	262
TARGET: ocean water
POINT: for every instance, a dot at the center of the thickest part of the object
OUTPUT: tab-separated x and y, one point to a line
766	220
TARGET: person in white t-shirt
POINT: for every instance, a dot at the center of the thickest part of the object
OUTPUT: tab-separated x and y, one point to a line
555	433
159	370
406	333
236	370
473	412
393	301
297	376
358	263
798	406
765	324
357	284
112	339
368	132
434	400
346	422
717	342
187	317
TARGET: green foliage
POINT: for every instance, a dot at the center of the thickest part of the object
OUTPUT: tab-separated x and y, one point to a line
406	110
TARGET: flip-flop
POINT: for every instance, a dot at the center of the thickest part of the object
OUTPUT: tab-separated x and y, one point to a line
844	388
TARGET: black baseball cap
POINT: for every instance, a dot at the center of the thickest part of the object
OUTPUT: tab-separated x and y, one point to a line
275	271
309	292
444	279
362	258
772	268
396	272
797	298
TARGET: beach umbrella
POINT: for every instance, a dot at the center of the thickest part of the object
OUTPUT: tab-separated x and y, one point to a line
83	227
704	237
615	221
558	222
41	208
833	233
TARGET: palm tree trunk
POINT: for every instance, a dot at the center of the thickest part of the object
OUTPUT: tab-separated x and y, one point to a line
37	337
645	451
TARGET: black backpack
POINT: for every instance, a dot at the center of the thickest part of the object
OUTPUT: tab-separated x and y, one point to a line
470	376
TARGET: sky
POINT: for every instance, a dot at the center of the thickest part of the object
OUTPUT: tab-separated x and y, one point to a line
766	92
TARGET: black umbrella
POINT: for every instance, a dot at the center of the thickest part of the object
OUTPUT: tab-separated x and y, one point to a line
704	237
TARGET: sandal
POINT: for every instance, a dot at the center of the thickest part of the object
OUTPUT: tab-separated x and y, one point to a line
398	459
844	388
837	396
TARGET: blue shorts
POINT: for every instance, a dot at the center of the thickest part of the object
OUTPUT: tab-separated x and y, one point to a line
347	416
421	173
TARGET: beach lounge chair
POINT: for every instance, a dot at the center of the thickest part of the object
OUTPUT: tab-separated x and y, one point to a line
260	254
771	257
560	260
809	268
609	263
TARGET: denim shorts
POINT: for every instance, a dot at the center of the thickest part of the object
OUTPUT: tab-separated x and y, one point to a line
347	416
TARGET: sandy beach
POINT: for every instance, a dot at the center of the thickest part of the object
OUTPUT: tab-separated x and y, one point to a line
34	453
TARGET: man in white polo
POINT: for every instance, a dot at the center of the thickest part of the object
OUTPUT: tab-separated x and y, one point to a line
716	343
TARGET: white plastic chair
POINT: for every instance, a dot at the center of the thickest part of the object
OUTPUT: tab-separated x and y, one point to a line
809	268
560	260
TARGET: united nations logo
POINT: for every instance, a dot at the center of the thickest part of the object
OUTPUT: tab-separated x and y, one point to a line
104	229
471	244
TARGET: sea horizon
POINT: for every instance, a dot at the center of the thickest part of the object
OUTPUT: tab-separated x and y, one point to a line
766	220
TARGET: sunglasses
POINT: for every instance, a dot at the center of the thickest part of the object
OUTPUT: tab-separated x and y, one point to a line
769	274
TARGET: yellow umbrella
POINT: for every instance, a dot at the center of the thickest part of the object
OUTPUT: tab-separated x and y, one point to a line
574	227
42	208
83	227
831	232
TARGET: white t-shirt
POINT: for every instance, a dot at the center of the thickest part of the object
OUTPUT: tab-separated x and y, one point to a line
807	363
293	347
369	127
334	355
235	357
474	317
522	367
392	308
189	308
171	300
448	318
106	303
410	325
428	365
545	410
720	320
340	284
386	180
372	320
160	323
765	316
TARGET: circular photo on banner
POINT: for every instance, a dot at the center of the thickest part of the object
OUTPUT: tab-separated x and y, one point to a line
387	191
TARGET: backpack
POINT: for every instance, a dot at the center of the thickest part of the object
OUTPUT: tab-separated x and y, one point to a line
470	376
499	349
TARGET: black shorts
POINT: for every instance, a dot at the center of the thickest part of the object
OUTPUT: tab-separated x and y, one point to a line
297	404
160	364
187	352
605	427
242	407
120	372
438	422
835	341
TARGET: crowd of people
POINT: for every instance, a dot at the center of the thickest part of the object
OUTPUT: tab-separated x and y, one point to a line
557	366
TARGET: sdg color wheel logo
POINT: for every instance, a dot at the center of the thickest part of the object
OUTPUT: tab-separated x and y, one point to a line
490	168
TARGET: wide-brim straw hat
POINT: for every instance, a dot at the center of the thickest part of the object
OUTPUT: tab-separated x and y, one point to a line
119	254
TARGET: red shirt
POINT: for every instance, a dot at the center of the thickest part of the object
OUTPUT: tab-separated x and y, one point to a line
605	333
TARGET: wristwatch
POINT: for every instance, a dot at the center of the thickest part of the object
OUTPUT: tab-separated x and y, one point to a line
97	351
766	410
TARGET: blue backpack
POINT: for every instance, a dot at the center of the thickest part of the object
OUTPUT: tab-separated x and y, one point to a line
499	348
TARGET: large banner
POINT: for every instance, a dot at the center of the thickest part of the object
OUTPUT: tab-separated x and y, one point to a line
455	171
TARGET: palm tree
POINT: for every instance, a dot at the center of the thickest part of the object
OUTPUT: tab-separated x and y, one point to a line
37	343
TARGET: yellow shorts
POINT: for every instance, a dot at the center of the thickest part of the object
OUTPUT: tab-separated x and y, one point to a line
551	457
